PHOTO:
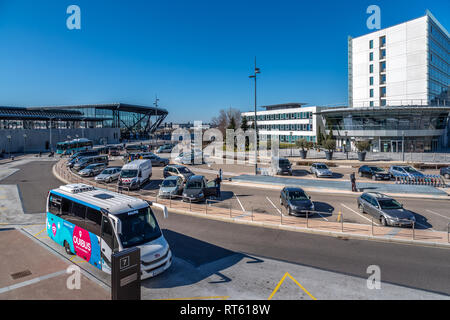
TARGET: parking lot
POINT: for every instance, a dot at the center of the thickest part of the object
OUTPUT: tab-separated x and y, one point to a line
430	214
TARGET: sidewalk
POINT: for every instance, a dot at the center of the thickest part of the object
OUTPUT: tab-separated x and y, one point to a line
31	272
337	229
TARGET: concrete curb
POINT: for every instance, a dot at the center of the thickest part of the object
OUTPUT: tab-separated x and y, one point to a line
296	229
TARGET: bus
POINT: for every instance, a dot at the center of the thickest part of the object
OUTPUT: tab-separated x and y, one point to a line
69	147
93	223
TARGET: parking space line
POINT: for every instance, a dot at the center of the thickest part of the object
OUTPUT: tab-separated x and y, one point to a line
295	281
196	298
275	206
240	203
438	214
31	281
40	232
359	214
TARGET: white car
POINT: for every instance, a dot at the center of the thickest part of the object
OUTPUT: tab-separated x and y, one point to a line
321	170
109	174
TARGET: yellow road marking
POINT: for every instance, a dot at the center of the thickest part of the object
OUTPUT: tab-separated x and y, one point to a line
198	298
43	237
296	282
40	232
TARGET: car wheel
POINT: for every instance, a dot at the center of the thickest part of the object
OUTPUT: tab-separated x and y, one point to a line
447	176
361	208
317	175
67	248
383	221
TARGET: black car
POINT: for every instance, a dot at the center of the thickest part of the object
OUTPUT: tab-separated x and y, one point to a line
296	201
284	166
445	172
375	173
197	189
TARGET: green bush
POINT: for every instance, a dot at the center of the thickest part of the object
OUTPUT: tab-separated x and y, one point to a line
303	144
330	145
363	145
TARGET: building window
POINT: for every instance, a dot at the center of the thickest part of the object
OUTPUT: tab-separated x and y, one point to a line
371	56
371	81
371	93
382	54
371	44
382	41
371	68
383	103
371	103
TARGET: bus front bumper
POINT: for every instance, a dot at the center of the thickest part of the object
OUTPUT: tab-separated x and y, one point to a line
152	270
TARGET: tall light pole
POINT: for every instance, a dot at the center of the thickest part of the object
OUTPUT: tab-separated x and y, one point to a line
254	75
24	142
9	141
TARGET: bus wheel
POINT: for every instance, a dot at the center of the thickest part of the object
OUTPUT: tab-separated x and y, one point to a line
67	247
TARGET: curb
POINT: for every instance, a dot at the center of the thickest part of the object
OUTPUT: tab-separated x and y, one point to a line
296	229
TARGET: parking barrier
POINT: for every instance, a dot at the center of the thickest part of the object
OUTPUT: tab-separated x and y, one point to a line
342	222
414	230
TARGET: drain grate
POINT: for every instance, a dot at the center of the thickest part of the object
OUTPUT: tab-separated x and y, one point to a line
21	274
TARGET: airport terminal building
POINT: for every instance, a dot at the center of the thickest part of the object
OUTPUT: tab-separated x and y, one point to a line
35	129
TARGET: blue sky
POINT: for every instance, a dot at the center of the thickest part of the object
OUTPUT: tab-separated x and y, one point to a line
195	55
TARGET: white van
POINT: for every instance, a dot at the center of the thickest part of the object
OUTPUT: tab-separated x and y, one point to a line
135	174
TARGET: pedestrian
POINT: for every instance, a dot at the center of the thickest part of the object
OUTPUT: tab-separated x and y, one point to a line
220	174
353	181
217	182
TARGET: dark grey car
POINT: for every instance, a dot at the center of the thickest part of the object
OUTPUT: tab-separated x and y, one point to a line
385	209
197	189
296	201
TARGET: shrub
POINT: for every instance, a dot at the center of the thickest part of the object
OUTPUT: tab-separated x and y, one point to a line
330	145
363	145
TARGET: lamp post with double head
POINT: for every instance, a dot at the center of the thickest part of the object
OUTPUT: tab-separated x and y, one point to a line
254	76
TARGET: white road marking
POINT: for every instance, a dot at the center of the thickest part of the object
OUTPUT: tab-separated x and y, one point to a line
322	216
275	206
438	214
359	214
240	203
31	281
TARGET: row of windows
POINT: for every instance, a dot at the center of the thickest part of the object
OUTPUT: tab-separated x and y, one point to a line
286	127
80	215
284	138
437	62
438	76
439	37
282	116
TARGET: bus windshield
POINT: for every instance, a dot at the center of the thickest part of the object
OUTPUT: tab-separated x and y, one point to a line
138	227
127	173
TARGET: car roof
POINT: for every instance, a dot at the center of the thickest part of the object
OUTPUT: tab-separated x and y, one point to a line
319	163
378	195
292	189
176	166
172	178
196	177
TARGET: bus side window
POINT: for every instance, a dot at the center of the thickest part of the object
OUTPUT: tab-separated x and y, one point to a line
93	221
107	232
66	208
78	215
54	204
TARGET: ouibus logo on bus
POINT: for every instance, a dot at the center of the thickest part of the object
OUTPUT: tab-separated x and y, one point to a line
82	243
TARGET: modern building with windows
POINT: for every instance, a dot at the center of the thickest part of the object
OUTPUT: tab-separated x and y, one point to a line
289	121
40	128
398	89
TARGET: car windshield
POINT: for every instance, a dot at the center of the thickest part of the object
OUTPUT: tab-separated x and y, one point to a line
410	170
92	166
376	169
321	166
138	227
297	195
108	171
128	173
169	183
389	204
184	170
284	162
194	185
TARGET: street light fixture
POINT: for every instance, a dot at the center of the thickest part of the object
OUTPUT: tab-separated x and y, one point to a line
254	76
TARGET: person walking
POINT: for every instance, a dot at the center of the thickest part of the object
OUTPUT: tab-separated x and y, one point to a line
353	181
220	174
217	181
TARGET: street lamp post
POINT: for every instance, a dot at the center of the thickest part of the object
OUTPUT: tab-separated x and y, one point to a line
257	70
403	146
24	141
9	142
346	142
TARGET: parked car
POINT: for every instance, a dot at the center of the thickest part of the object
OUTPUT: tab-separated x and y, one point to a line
156	160
92	170
135	148
197	189
109	174
407	171
85	161
114	151
189	157
284	166
320	170
88	153
296	201
375	173
134	174
385	209
445	172
167	148
177	170
171	186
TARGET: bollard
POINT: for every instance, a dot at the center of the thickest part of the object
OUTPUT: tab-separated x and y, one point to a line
414	230
252	216
190	204
371	223
307	219
206	206
230	209
342	222
170	200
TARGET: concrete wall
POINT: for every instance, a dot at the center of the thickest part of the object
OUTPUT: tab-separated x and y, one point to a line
36	139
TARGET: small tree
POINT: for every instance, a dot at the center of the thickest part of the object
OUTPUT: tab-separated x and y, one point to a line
330	145
363	145
244	124
303	144
232	124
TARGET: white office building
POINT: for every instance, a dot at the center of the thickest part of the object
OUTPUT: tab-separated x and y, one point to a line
289	121
406	64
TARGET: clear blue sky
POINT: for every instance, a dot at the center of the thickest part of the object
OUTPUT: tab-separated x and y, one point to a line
196	55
